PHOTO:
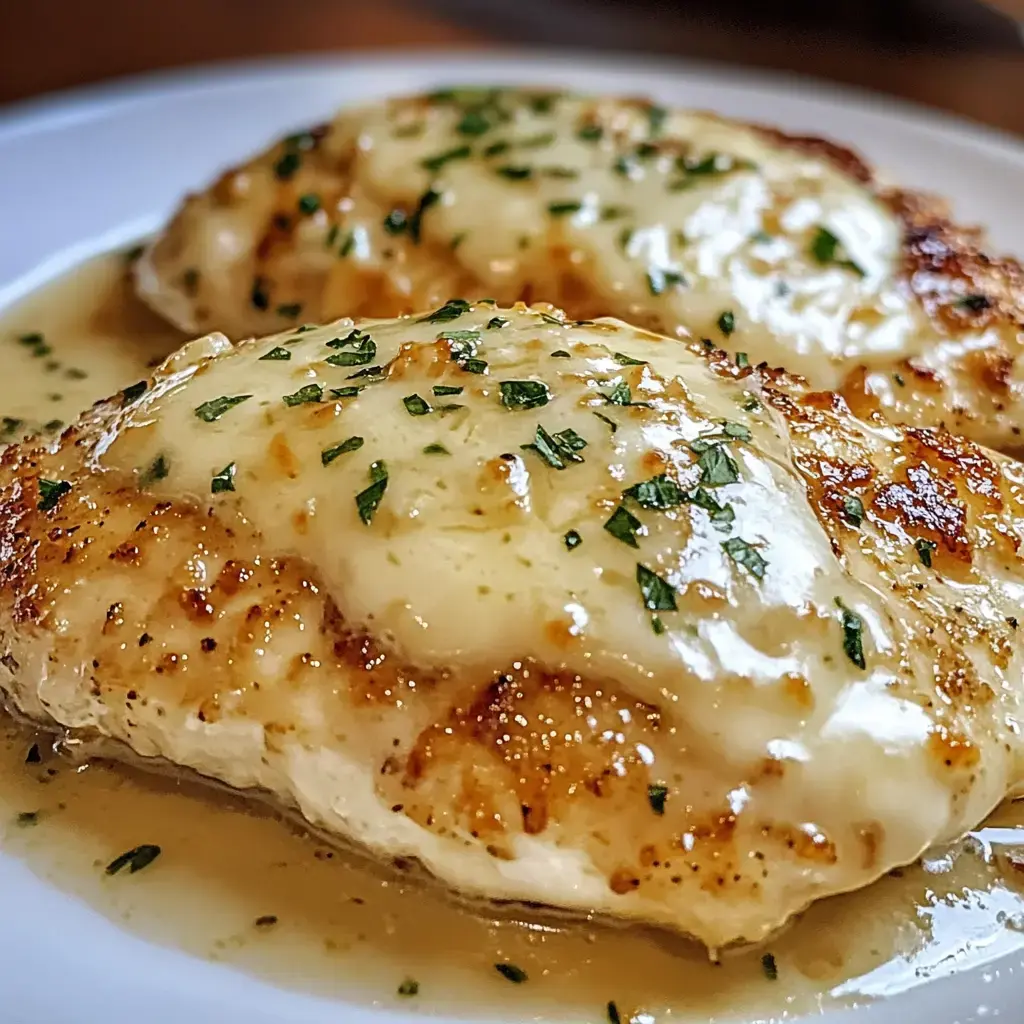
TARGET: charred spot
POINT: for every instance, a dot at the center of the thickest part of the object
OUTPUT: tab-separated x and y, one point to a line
208	644
195	604
923	505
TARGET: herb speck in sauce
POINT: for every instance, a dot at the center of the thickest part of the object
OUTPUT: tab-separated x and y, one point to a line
212	410
853	634
224	480
514	974
50	493
308	393
134	860
351	444
524	394
657	794
368	500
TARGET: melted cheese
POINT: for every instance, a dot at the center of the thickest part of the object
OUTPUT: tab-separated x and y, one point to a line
718	637
668	221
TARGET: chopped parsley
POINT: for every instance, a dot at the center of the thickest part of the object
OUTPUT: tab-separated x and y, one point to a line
368	500
717	466
564	207
436	449
559	449
624	526
416	406
657	595
770	967
656	117
363	350
426	201
464	342
514	172
451	310
975	303
286	167
560	353
409	987
134	860
306	394
572	540
396	222
853	634
826	248
446	389
853	510
351	444
276	354
473	365
727	322
347	392
590	133
50	492
496	323
309	203
624	360
524	394
742	362
265	920
348	245
513	973
658	279
216	407
28	818
613	1013
657	794
435	163
746	555
924	549
133	393
658	493
620	395
736	431
224	480
289	310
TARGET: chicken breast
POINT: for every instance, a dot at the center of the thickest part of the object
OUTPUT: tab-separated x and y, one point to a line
776	246
569	613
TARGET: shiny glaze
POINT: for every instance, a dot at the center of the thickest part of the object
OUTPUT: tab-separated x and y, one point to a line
448	682
668	219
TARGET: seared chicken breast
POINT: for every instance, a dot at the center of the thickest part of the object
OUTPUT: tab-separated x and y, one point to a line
569	613
780	247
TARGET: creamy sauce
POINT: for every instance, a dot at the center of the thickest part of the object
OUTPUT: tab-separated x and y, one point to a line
343	930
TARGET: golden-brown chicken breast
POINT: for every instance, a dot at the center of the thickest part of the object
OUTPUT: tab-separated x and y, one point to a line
686	223
569	613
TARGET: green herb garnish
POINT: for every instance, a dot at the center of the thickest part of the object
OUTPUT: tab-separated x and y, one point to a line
659	279
436	449
451	310
657	794
564	207
409	987
717	466
309	203
134	860
416	406
50	492
746	555
26	819
770	968
435	163
924	549
496	323
156	470
853	634
216	407
524	394
224	480
826	248
624	526
368	500
657	493
853	510
572	540
363	350
657	595
727	322
308	393
276	354
559	449
133	393
513	973
590	133
613	1013
351	444
446	389
289	310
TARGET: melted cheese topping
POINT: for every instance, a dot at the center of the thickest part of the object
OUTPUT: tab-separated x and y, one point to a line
666	218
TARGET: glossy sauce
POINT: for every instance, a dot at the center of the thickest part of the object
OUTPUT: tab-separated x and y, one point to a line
346	931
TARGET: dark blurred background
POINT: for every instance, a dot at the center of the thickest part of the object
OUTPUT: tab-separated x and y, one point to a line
962	55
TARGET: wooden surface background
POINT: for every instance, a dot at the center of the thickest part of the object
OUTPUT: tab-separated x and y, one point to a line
55	44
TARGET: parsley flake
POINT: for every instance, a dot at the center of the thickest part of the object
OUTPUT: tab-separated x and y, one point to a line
613	1013
50	492
396	222
924	549
853	510
590	133
727	322
416	406
658	596
975	303
435	163
409	987
717	466
446	389
496	323
514	974
156	470
657	493
514	172
224	480
309	203
659	279
770	967
572	540
289	310
368	500
363	351
133	393
746	555
258	296
436	449
216	407
277	353
474	122
524	394
826	248
351	444
451	310
853	634
564	207
657	794
624	526
134	860
307	394
557	450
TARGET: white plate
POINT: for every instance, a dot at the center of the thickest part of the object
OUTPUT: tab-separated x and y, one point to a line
82	173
